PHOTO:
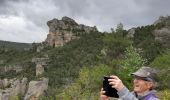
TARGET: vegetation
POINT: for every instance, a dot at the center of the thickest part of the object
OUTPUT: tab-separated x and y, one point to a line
162	64
76	70
14	45
144	39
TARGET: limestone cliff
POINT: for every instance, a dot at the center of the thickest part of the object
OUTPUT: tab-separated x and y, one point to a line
64	30
162	35
161	31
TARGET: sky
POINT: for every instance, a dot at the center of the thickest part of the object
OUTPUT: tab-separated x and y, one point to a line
25	20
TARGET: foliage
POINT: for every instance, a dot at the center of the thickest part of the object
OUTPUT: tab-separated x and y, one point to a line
101	53
144	39
162	64
14	45
114	46
132	62
119	28
14	98
164	95
88	82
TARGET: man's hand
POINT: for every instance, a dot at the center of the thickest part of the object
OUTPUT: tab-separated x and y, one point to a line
116	83
102	96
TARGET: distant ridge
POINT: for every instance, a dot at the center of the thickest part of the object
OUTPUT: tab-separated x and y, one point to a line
15	45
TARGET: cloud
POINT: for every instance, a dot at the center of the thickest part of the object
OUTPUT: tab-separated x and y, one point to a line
19	29
27	18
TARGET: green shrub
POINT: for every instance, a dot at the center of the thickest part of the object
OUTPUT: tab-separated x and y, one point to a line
87	85
130	64
164	95
162	64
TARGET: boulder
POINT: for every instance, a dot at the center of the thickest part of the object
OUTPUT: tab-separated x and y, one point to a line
36	89
15	88
4	95
23	86
6	83
39	69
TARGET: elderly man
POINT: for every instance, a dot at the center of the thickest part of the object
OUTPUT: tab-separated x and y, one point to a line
144	83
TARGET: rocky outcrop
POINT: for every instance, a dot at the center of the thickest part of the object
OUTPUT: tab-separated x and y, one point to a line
64	30
5	83
36	89
161	31
15	87
40	63
18	87
163	20
162	35
131	33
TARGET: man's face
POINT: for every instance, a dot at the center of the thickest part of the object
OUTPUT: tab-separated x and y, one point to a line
140	85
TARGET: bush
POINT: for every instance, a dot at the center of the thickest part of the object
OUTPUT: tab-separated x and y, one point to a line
162	64
87	85
164	95
130	64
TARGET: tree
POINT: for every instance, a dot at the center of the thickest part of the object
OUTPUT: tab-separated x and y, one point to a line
119	28
112	30
131	63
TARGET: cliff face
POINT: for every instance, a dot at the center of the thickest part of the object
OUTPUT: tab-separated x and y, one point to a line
161	31
162	35
64	30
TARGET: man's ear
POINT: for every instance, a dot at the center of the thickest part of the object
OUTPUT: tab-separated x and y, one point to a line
150	85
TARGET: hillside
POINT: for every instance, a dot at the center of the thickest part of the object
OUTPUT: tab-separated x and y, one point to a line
14	45
79	64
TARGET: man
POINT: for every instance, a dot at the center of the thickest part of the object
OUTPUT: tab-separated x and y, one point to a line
143	83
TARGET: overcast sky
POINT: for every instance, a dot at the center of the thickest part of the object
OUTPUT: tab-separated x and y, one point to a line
25	20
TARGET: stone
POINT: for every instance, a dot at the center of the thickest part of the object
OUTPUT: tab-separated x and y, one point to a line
39	69
164	20
163	36
131	33
23	86
36	89
40	62
15	88
5	83
4	95
64	30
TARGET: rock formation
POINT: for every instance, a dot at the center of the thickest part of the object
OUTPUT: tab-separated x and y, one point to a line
165	20
131	33
64	30
161	32
40	63
15	87
36	89
162	35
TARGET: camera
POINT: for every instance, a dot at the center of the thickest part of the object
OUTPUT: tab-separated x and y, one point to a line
111	92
